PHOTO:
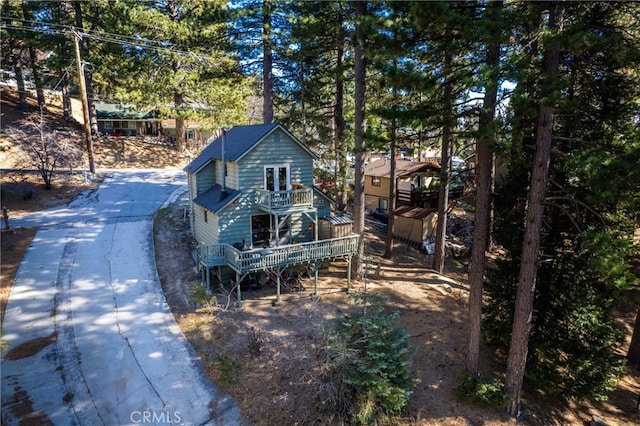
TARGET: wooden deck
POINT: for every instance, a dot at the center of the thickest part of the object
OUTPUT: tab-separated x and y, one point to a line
212	255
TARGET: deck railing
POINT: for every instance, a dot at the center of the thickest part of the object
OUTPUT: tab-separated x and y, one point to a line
210	255
425	198
273	200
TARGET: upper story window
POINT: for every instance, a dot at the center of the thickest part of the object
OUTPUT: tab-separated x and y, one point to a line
277	177
375	180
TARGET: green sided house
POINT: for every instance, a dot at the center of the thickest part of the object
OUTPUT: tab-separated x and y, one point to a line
253	207
127	120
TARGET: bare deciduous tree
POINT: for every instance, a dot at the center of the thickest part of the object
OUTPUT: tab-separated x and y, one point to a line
44	149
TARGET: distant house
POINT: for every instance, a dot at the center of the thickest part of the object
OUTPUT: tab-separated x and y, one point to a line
193	131
253	205
126	120
410	176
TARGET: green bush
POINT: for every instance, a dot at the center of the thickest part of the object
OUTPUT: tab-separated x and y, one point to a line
369	363
489	392
229	369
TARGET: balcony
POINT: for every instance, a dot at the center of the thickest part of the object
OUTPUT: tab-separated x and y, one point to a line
427	199
285	201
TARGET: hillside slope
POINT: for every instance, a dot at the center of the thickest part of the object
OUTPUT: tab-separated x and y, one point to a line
109	152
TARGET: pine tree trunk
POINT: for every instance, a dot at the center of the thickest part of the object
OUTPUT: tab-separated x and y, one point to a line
340	125
388	253
359	100
93	115
443	196
634	348
16	59
35	66
519	345
481	222
67	113
178	100
267	64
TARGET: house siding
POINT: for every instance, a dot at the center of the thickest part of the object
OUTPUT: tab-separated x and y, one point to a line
248	175
191	182
206	178
373	194
323	206
205	232
233	223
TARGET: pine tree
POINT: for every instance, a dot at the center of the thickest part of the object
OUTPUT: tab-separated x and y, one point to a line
484	147
585	235
360	84
188	67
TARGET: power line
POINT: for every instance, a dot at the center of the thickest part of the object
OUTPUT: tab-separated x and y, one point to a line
64	27
129	41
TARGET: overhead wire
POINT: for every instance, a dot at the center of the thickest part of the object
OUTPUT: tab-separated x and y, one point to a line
126	41
80	30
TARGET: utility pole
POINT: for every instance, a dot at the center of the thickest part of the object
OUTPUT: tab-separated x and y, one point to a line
85	106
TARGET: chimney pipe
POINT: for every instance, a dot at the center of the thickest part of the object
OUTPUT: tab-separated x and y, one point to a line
224	162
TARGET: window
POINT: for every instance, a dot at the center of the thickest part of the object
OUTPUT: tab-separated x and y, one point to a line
383	204
206	217
108	124
191	134
261	230
375	180
277	178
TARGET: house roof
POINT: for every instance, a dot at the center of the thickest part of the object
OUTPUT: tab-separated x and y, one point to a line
124	112
382	168
215	200
413	212
340	219
239	141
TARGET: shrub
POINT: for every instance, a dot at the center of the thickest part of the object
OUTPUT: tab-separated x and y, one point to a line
369	364
489	392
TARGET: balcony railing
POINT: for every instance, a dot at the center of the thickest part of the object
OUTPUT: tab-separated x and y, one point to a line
210	255
275	200
426	198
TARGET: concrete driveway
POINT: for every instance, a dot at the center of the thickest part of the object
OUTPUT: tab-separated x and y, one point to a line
90	337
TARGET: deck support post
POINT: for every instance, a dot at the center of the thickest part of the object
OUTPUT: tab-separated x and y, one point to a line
278	301
239	292
348	274
202	277
208	273
315	280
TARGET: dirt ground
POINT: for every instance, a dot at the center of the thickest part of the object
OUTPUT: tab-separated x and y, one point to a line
266	356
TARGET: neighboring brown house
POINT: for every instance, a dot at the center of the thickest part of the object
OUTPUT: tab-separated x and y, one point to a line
410	176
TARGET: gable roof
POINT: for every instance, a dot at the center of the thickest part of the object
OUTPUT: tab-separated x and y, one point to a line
239	141
382	168
317	191
215	200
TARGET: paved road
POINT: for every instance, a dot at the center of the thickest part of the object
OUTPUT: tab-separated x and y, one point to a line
91	340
